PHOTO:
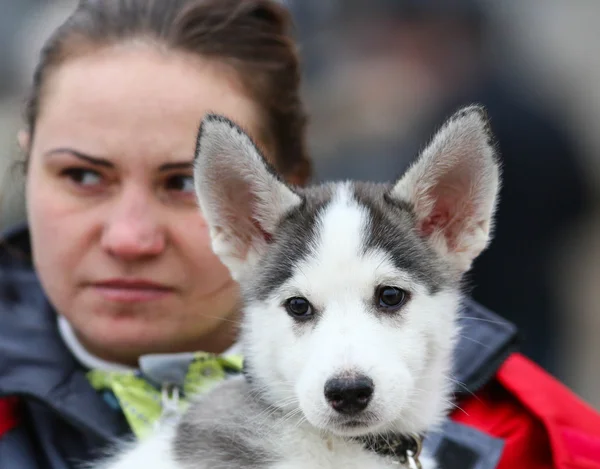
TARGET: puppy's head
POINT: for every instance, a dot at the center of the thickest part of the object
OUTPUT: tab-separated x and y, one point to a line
351	290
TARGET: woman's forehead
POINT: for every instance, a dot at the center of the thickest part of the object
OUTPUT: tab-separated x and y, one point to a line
124	100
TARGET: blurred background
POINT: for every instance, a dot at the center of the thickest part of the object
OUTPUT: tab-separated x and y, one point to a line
380	77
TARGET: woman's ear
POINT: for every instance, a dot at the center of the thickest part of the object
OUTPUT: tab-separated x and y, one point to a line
296	180
301	174
24	140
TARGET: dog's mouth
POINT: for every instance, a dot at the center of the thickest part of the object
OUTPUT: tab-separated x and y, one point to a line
354	426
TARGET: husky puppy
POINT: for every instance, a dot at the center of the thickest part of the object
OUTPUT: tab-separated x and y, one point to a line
351	293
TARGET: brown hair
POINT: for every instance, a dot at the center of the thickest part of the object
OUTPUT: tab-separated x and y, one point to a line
251	35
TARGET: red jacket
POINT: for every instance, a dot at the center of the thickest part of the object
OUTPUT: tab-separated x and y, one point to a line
9	417
542	423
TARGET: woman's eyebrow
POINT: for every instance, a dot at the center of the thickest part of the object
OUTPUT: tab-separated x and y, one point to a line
82	156
177	165
187	164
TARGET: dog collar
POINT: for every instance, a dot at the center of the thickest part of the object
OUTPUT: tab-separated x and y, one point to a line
404	449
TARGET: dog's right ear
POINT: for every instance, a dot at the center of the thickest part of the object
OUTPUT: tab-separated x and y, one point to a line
239	194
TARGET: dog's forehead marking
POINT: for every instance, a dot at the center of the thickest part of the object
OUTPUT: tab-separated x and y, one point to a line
322	239
339	227
338	268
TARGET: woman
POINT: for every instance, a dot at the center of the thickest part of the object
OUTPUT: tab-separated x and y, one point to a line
113	280
122	255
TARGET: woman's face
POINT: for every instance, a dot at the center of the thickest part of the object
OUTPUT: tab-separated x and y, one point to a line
118	242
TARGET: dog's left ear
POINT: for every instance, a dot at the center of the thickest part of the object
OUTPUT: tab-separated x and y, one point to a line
239	194
453	187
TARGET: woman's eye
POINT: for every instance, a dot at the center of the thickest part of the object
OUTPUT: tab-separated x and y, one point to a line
83	177
181	183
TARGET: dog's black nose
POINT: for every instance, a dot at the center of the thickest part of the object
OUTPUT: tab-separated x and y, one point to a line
349	395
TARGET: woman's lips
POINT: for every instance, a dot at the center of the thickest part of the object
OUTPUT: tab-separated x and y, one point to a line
131	290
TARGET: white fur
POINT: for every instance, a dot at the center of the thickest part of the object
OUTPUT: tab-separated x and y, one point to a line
410	395
155	452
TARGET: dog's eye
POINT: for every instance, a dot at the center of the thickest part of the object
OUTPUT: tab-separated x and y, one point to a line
390	298
299	307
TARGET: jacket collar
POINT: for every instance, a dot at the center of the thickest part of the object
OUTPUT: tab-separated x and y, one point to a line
486	341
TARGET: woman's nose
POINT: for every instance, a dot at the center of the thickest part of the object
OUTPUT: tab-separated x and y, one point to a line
133	229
